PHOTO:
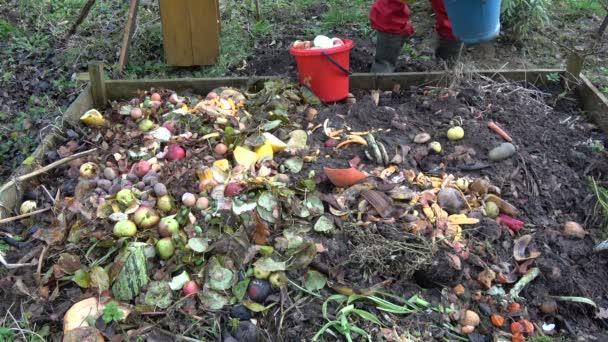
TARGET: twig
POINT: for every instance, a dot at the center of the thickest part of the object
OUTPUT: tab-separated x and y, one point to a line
46	191
39	269
19	217
14	266
178	337
46	169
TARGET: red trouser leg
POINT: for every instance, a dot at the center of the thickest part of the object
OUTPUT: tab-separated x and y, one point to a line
391	16
442	22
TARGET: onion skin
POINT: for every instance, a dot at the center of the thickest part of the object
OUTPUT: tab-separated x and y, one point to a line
574	229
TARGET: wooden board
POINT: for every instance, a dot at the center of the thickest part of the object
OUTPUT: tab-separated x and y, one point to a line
122	89
594	102
190	31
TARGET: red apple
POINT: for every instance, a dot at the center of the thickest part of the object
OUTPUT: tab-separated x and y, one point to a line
155	97
175	152
190	288
141	168
136	113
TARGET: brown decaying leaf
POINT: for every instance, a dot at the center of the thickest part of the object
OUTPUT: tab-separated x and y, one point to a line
522	245
380	201
454	261
262	230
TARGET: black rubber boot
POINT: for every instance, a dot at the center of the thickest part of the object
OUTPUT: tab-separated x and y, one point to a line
388	48
448	50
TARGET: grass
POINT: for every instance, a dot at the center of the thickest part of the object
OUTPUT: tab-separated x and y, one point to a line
588	6
601	193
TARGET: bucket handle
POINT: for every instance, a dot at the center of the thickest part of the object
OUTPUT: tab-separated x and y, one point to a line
333	61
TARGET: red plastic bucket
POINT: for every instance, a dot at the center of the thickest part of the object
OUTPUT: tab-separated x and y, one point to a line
325	71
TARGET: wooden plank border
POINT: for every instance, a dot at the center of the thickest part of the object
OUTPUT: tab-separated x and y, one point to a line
594	102
122	89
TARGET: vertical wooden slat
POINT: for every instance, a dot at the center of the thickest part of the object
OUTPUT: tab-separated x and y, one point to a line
98	85
128	35
205	31
177	35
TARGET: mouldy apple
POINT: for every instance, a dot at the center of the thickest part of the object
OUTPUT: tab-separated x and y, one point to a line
145	217
88	170
165	203
126	197
258	290
27	207
145	125
278	279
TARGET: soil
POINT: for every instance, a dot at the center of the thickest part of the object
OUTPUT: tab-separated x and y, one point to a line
547	179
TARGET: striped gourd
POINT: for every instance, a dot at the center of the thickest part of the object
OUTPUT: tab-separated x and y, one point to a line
133	276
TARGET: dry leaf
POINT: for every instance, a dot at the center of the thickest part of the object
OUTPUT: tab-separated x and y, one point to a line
262	231
454	261
380	201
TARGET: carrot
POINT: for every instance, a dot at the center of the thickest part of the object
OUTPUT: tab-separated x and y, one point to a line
494	127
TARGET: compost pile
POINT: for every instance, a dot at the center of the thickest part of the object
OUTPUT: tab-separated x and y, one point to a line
268	216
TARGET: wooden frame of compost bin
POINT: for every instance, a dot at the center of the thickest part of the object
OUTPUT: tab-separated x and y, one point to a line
100	91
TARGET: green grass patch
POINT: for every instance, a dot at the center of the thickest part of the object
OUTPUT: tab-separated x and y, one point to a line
347	14
589	6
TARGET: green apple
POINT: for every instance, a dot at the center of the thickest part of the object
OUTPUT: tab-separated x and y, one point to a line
165	203
278	279
145	217
168	226
145	125
165	248
126	197
260	274
125	228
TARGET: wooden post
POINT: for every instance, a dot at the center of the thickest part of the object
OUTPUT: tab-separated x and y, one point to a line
574	66
128	35
98	84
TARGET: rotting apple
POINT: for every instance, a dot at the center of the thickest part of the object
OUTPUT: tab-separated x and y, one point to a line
165	248
126	197
165	203
145	217
168	226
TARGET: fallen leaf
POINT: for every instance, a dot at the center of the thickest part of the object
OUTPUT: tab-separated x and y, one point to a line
324	225
262	230
454	261
314	280
380	201
179	280
69	263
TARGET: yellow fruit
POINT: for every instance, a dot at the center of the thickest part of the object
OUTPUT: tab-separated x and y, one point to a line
93	118
264	152
455	133
222	164
276	143
245	157
435	146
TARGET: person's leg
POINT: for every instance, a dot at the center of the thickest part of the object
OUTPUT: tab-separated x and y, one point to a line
390	19
449	45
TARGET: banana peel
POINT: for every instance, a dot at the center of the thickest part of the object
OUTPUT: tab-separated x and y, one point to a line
93	118
462	219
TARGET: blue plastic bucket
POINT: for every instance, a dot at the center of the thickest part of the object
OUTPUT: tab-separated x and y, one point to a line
474	21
